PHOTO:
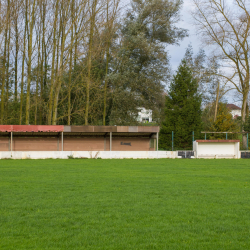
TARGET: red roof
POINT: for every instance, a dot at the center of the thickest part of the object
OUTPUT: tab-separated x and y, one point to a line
31	128
233	107
217	140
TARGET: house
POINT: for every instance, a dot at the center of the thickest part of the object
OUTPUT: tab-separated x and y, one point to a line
144	115
235	110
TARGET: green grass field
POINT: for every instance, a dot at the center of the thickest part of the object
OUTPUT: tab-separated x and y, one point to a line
125	204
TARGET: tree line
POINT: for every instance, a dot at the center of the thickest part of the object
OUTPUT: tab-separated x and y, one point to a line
81	62
78	62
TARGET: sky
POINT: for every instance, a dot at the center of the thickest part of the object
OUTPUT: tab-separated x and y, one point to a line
186	22
177	52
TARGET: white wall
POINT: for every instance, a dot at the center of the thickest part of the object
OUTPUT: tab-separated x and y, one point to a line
144	114
217	149
236	112
88	154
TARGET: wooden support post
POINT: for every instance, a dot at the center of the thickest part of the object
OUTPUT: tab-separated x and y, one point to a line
11	141
62	141
58	143
110	146
157	141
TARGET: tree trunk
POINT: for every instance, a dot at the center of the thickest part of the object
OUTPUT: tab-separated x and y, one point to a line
4	69
16	55
37	78
106	72
30	41
43	62
7	76
70	62
23	60
61	66
89	63
51	94
217	101
243	116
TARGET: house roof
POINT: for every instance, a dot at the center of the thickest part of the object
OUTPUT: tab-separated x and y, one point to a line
233	107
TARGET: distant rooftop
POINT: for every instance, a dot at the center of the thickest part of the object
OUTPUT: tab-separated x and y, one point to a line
233	107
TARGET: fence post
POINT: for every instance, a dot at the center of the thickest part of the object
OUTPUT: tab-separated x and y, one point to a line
172	140
226	136
205	136
193	140
157	141
247	141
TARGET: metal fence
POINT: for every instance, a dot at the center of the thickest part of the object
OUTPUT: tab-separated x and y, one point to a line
207	136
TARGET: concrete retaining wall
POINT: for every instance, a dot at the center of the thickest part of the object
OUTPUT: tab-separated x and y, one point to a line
88	154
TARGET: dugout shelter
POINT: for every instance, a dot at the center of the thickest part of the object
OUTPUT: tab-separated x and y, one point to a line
78	138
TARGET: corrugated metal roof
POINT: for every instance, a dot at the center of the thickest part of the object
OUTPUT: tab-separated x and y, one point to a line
79	129
31	128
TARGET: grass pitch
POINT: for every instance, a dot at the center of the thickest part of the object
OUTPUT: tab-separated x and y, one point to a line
124	204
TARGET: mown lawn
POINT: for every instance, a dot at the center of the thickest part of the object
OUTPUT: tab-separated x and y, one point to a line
125	204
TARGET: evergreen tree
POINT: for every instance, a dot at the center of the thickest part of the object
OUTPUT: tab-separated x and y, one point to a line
182	110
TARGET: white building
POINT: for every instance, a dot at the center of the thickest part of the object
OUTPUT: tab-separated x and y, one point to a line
144	115
235	110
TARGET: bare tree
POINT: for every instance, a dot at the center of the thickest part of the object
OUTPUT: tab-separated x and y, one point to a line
53	62
23	60
229	30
